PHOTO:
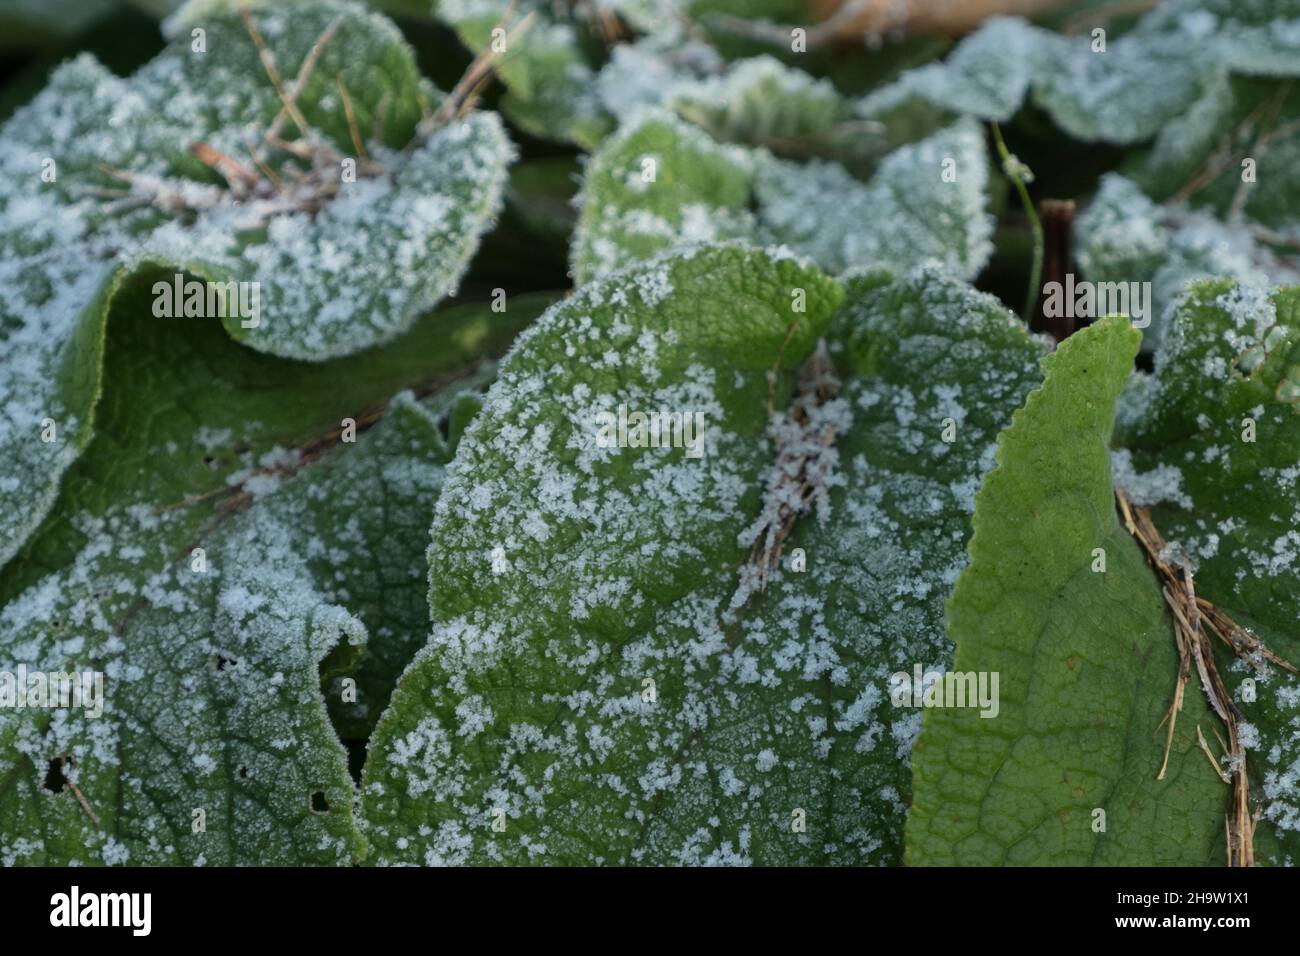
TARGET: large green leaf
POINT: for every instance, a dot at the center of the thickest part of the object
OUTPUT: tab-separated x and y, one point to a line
211	688
327	281
1084	654
918	357
565	573
605	680
213	698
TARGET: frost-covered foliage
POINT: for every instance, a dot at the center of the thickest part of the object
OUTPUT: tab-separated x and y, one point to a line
660	183
1219	418
631	565
728	516
212	698
548	76
1126	237
1120	89
1208	83
761	101
108	174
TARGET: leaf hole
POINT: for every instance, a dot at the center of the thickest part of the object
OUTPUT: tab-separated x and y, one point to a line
55	780
318	802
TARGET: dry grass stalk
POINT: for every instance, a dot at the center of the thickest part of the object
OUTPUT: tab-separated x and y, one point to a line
466	91
1190	613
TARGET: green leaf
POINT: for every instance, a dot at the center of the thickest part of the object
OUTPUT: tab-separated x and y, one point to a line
549	77
1126	93
987	75
762	102
314	285
757	101
917	355
197	445
1123	236
1237	146
1213	442
661	183
655	184
1086	659
610	567
604	678
211	699
926	202
644	73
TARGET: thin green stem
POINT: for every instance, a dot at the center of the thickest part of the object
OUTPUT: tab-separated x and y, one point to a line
1015	171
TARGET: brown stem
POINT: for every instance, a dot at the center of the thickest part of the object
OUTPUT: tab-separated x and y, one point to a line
1057	216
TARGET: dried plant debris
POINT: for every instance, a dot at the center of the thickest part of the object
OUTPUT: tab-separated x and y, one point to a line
719	520
1213	444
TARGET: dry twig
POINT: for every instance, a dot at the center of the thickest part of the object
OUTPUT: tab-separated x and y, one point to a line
1190	612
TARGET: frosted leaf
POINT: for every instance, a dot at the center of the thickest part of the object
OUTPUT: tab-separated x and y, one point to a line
1220	413
550	83
604	697
1232	153
211	698
1143	80
660	183
319	274
655	184
908	213
1123	236
640	75
987	75
202	438
657	17
760	101
810	680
